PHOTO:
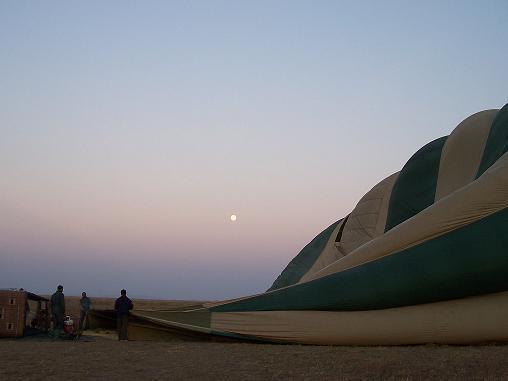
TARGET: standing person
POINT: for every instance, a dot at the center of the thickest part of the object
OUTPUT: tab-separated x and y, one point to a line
27	310
122	307
84	306
58	310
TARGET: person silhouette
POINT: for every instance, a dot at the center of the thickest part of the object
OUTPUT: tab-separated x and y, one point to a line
122	307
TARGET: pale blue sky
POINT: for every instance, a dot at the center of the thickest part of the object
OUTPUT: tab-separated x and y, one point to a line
130	131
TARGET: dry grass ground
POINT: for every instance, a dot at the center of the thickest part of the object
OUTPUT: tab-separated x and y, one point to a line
31	359
112	360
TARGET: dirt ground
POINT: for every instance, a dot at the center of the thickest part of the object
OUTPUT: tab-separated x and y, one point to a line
100	357
113	360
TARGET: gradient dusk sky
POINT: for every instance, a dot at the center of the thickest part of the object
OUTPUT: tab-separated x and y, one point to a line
132	130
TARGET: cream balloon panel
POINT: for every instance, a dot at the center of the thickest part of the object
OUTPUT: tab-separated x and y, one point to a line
462	153
365	222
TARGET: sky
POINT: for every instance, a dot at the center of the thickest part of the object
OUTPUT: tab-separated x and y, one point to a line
130	131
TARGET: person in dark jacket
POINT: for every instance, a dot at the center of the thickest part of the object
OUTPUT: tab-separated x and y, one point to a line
58	310
122	307
84	306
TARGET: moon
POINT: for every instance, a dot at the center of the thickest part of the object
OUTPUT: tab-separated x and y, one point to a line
233	217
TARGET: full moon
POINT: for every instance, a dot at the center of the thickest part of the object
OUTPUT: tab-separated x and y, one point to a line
233	217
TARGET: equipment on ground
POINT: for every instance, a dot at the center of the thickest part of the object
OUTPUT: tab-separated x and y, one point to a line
22	313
